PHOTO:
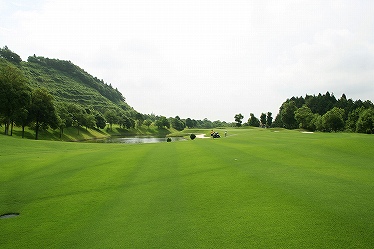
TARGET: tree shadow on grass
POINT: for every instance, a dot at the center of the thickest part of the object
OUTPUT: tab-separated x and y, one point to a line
27	134
99	131
70	134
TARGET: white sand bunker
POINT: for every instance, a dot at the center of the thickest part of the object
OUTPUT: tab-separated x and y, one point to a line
308	132
201	136
8	215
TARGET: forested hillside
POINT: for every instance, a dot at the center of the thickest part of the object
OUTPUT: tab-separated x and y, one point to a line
43	92
69	83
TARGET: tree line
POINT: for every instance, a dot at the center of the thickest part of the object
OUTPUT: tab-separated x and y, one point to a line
326	113
265	121
322	112
36	108
23	105
20	105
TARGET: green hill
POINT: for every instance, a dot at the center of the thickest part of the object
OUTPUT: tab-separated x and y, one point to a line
69	83
78	98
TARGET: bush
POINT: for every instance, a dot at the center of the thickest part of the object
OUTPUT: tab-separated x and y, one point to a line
192	136
168	139
333	120
365	122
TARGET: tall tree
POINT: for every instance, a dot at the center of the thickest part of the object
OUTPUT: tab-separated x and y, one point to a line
263	120
129	122
23	118
277	121
14	94
238	119
77	114
139	119
177	123
365	123
42	110
162	122
100	121
304	116
269	119
316	123
253	121
189	123
333	120
287	112
89	120
64	117
112	117
353	116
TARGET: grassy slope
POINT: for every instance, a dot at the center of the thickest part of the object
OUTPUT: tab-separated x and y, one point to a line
71	133
66	86
255	188
72	85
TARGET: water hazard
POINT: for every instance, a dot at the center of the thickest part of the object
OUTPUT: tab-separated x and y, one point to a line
8	215
136	140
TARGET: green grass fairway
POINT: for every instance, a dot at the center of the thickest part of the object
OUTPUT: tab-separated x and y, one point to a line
255	188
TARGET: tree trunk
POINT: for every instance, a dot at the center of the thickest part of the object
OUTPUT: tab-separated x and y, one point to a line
23	131
11	128
6	131
36	130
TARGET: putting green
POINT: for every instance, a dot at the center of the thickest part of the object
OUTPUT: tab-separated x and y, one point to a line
255	188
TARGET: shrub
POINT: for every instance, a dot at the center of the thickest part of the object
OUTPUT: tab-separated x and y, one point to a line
192	136
333	120
168	139
365	122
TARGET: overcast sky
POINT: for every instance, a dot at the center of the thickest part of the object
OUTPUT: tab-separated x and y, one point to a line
205	58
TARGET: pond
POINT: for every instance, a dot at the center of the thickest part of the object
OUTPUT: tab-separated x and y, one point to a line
135	140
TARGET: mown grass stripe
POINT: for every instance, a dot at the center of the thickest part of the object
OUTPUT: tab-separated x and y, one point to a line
284	190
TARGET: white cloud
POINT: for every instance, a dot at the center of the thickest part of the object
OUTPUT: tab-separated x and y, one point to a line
336	61
204	58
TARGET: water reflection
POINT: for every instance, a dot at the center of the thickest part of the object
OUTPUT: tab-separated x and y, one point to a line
136	140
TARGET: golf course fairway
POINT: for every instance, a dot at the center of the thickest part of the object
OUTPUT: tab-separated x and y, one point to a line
255	188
